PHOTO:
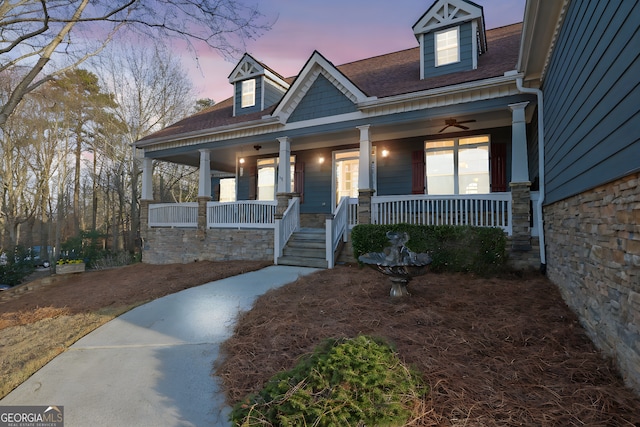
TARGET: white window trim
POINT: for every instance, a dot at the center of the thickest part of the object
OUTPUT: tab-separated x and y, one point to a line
274	162
456	152
248	93
435	46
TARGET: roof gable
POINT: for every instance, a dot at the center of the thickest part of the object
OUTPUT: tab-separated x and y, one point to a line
247	67
317	65
444	13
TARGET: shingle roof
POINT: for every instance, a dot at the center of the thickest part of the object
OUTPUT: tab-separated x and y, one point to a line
381	76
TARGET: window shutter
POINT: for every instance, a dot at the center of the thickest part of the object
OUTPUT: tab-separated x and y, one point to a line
417	172
298	180
498	168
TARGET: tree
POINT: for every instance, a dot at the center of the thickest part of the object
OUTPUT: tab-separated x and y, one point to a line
152	91
85	108
203	104
50	37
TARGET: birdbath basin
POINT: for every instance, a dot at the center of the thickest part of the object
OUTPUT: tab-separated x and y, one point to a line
398	263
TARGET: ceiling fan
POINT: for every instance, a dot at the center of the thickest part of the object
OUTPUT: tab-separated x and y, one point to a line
454	122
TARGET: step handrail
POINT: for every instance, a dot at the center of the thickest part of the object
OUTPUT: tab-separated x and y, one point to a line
285	227
336	229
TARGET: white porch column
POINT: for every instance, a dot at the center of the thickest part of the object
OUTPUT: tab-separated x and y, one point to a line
364	174
204	184
147	179
284	170
519	158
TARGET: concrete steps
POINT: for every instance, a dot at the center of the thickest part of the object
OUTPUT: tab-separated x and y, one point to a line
305	248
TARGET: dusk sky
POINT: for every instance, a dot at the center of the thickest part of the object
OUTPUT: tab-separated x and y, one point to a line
341	30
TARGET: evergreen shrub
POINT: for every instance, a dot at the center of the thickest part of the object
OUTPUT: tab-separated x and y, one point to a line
345	382
453	248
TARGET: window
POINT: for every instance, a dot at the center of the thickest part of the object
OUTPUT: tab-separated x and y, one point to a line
248	93
447	44
346	167
227	190
458	166
268	177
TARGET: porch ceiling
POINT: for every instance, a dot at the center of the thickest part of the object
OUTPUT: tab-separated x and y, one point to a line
223	158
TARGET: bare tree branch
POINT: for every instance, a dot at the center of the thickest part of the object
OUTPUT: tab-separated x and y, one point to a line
45	38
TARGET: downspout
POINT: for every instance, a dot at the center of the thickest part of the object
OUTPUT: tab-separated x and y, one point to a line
538	93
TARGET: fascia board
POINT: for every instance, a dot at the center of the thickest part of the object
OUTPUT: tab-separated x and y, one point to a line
538	40
265	121
437	92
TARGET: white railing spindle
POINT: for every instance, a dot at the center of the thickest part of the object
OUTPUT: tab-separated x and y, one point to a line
483	210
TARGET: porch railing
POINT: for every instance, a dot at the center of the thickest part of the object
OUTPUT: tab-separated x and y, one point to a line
241	214
483	210
173	215
353	212
336	230
285	227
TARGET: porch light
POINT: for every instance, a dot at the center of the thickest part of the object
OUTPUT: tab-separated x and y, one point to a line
385	153
321	160
241	161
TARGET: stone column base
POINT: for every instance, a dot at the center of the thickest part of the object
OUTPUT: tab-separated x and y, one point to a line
364	205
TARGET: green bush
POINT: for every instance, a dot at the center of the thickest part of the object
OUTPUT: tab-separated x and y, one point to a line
453	248
347	382
17	267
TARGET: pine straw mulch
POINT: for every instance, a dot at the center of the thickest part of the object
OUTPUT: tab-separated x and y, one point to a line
495	352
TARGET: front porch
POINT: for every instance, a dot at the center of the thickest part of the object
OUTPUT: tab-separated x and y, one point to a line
259	230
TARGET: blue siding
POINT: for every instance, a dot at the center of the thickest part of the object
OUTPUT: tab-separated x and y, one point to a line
317	181
466	54
272	93
323	99
238	98
532	146
592	118
394	172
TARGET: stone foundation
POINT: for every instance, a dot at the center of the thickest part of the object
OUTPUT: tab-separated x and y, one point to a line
180	245
311	220
593	256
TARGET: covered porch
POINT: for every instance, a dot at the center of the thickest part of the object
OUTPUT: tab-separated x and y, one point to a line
385	185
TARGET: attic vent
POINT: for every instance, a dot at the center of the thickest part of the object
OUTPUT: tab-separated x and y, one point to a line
446	14
245	70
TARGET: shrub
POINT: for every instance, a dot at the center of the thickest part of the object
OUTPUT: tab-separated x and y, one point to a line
347	382
16	268
453	248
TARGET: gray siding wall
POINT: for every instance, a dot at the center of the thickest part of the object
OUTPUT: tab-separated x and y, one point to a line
272	93
466	52
323	99
394	172
317	181
238	98
592	93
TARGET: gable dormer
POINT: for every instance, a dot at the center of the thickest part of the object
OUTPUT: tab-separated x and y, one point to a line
256	86
451	36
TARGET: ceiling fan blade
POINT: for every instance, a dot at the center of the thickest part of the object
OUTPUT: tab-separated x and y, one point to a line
443	129
467	121
461	127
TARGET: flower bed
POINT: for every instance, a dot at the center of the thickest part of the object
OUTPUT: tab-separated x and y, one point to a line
74	267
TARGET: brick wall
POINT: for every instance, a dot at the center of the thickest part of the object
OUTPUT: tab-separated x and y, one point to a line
179	245
593	256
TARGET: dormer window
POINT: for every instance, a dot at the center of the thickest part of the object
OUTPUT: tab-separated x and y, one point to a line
447	46
248	93
452	36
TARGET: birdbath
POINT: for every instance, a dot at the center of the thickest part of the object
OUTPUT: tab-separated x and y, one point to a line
398	263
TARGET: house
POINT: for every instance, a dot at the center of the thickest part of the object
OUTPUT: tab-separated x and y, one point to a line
532	127
434	134
584	57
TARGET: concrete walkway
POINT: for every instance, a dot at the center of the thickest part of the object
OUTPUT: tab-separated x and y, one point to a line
152	366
